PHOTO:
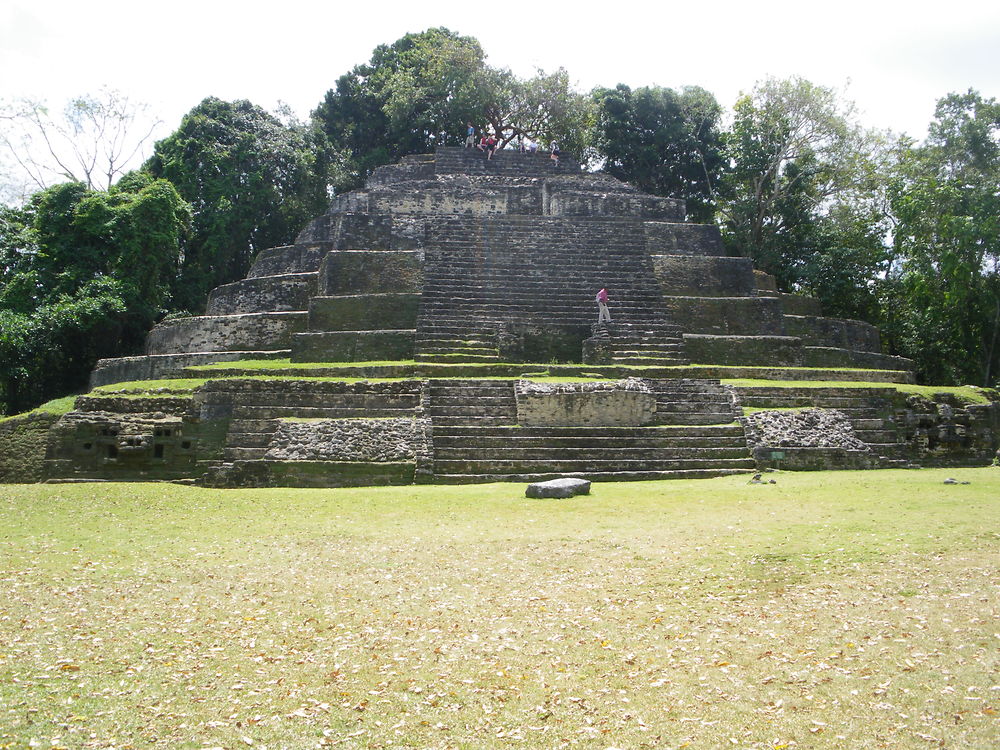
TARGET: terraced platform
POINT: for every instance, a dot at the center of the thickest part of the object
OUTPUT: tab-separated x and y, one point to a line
462	292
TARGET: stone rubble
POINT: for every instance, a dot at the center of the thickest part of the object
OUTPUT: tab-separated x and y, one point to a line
806	428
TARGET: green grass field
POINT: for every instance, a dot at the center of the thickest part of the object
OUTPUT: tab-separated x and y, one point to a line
828	610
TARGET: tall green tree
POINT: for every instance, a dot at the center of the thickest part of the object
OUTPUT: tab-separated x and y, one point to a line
794	147
252	181
411	95
84	274
945	310
421	91
664	141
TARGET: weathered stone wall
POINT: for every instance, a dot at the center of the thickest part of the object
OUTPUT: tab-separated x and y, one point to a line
537	342
220	333
945	432
364	312
796	304
833	332
123	369
504	163
298	258
137	445
727	316
281	293
561	200
819	356
704	276
627	403
357	271
374	440
763	351
667	238
766	283
353	346
23	442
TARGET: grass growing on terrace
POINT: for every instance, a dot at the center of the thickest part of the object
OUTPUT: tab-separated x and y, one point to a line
969	394
56	406
829	610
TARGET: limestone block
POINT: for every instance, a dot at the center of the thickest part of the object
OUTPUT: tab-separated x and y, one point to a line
23	443
363	312
834	332
378	440
727	316
353	346
357	271
558	488
674	238
279	293
704	276
628	403
220	333
765	351
298	258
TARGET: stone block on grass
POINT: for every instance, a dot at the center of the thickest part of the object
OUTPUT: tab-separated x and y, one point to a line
564	487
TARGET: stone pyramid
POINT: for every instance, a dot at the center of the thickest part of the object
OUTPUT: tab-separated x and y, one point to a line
411	333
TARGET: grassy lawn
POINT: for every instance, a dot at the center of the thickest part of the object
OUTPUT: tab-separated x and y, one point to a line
828	610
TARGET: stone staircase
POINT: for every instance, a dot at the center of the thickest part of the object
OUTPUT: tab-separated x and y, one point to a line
476	437
870	411
478	402
660	345
482	275
510	453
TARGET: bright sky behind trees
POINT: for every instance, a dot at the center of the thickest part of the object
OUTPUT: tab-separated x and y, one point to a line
895	59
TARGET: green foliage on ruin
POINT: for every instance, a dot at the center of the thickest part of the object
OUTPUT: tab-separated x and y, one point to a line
422	90
252	182
664	142
84	275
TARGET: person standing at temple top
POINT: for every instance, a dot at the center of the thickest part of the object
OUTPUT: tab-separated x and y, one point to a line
603	314
555	153
470	135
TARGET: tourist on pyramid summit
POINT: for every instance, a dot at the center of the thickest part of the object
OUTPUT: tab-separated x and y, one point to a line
603	314
531	146
470	135
555	153
491	147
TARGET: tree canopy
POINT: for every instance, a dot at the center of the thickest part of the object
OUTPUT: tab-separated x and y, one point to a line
252	182
663	141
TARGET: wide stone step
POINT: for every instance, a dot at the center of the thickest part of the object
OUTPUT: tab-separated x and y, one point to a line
595	433
313	412
595	476
603	454
665	360
475	396
464	419
528	466
244	454
498	442
248	439
472	412
456	357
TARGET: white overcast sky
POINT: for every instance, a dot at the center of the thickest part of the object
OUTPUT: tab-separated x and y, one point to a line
894	59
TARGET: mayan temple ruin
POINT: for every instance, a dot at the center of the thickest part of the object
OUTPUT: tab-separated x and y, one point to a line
440	326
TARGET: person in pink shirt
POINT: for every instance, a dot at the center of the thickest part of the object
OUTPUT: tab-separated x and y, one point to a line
603	314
